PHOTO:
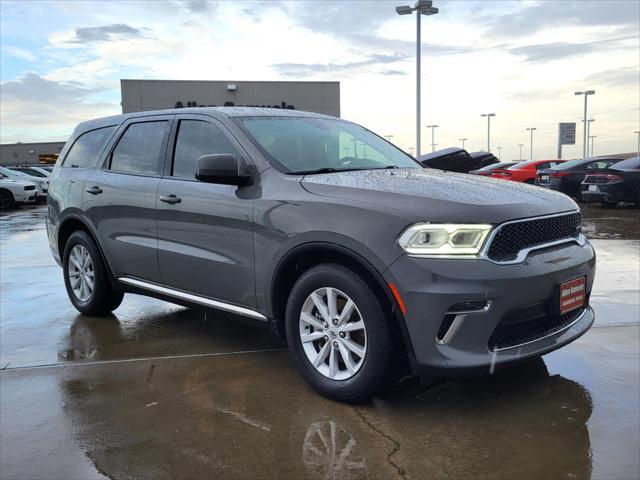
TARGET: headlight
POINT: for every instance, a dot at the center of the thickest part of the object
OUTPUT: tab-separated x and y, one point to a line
444	239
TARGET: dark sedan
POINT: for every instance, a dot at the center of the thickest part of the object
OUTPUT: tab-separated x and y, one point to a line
457	160
568	176
486	171
618	183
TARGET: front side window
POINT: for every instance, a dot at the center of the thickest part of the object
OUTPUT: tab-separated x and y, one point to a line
196	138
139	149
300	145
85	150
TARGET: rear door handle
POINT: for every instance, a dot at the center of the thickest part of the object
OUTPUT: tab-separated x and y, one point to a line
95	190
170	199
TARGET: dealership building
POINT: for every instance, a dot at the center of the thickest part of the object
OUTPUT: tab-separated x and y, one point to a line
146	95
12	154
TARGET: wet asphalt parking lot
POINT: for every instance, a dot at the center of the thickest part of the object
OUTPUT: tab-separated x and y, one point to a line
157	391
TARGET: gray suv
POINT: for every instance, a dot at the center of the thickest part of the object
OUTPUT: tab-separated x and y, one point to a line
370	265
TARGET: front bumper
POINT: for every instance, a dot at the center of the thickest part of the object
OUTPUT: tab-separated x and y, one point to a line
430	287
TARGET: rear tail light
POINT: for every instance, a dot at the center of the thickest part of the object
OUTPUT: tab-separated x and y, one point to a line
603	178
559	174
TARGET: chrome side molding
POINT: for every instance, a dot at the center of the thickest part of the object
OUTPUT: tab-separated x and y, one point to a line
227	307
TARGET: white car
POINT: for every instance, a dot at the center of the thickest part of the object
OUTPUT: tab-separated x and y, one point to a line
41	183
32	170
14	191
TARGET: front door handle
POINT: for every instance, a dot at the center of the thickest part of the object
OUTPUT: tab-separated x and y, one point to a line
95	190
170	199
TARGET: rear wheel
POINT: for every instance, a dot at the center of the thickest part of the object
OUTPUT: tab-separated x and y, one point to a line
609	204
531	181
7	201
86	277
338	333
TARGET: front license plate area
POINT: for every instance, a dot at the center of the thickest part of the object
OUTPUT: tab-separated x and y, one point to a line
572	294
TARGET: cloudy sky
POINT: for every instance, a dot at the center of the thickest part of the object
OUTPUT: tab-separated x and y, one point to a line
61	63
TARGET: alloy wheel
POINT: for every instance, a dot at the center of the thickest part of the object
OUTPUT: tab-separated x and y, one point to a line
333	333
81	274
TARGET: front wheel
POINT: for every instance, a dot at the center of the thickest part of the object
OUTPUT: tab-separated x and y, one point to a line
338	333
86	277
7	201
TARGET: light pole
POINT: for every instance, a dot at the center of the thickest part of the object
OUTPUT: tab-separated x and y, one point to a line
499	152
388	137
585	139
488	115
411	149
589	133
531	129
433	141
591	137
521	145
422	7
463	140
638	133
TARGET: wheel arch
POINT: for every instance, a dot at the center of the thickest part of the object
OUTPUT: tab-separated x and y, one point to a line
74	223
299	259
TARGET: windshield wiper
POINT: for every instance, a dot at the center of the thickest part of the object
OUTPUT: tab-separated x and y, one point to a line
319	170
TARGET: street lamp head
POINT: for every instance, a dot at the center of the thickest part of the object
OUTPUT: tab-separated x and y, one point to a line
432	126
590	92
531	128
424	3
404	10
488	115
428	11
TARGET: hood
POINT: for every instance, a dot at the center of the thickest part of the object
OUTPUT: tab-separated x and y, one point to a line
17	183
439	196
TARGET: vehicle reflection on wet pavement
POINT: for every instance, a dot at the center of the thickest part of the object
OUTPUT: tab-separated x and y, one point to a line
159	391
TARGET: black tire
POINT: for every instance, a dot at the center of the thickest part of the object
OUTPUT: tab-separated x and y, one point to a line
377	368
103	299
7	202
530	181
609	204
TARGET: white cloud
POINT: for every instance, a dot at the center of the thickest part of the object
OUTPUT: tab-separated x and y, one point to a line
522	60
18	52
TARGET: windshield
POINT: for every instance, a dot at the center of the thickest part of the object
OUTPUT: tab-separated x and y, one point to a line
11	173
493	166
29	171
299	145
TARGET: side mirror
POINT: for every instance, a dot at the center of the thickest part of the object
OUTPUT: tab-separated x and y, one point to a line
220	168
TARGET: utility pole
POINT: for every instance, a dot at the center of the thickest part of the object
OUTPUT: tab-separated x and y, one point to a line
521	145
638	133
499	153
592	137
463	140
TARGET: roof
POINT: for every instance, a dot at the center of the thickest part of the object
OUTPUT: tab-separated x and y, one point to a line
442	153
230	112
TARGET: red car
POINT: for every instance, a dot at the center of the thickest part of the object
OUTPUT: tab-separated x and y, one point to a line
525	171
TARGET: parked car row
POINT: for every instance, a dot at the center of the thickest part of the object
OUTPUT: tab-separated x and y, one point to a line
23	185
606	180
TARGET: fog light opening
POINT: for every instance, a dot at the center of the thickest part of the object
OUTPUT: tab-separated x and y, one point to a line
469	306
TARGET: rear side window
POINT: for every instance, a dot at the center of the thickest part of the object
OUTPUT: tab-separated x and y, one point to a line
85	150
139	149
543	165
196	138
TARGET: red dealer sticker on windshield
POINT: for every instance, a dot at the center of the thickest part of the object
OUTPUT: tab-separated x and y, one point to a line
572	294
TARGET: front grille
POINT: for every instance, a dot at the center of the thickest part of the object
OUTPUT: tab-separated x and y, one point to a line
512	238
512	334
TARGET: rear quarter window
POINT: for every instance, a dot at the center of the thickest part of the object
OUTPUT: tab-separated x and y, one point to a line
85	150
